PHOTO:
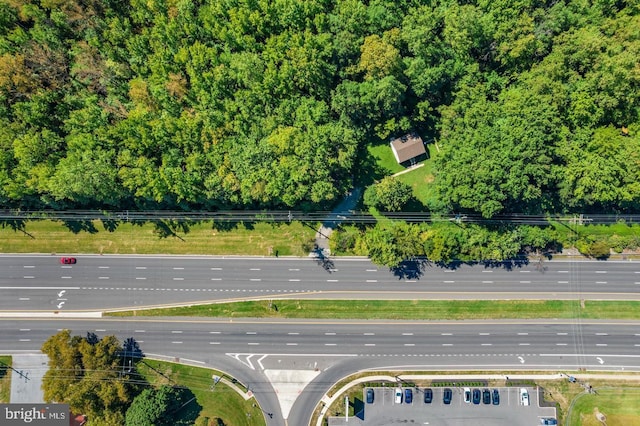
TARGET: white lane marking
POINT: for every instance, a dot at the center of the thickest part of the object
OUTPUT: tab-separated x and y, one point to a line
292	344
487	271
100	329
251	332
446	334
103	278
372	281
293	334
214	343
407	334
141	267
216	269
254	269
178	268
138	331
103	267
601	344
484	334
294	269
372	270
449	271
601	272
178	279
332	281
40	288
601	282
28	276
24	298
602	334
28	266
523	334
561	334
563	282
373	344
524	344
255	279
141	278
369	334
409	344
66	267
294	280
524	272
487	282
176	331
561	344
486	344
449	282
330	344
216	279
525	282
25	329
447	344
329	334
214	332
25	340
563	272
176	343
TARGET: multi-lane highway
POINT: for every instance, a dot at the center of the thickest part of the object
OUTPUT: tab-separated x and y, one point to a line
263	354
104	282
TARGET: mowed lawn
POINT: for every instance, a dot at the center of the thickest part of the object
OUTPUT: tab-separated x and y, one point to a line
219	401
621	407
202	238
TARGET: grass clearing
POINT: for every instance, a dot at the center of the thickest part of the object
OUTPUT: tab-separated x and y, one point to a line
205	238
620	406
5	378
406	309
221	401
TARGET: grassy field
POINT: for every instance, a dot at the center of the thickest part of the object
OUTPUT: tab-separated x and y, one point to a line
408	310
5	379
218	402
46	236
620	406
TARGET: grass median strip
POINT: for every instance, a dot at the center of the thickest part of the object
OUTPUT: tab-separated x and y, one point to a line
406	309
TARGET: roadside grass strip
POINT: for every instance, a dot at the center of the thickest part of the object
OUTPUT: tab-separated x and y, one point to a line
620	406
5	378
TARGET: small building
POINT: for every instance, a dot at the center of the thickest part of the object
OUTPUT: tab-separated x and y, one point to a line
408	149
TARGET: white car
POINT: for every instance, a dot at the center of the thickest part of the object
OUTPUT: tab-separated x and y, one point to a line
398	398
467	395
524	396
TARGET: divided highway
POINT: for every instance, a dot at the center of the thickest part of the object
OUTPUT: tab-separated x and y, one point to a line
32	282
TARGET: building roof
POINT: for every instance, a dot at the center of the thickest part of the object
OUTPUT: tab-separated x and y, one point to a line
407	147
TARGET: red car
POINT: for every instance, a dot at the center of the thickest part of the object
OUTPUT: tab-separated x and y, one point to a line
68	260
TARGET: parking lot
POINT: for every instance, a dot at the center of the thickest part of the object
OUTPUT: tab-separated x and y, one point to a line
385	411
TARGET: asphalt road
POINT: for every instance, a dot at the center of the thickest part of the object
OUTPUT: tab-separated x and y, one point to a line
248	349
40	282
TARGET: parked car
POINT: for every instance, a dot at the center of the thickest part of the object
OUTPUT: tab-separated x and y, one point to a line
486	397
524	396
398	397
68	260
496	397
428	396
447	395
467	395
408	396
476	396
369	396
548	421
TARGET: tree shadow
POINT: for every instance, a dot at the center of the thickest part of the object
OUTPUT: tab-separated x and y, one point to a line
508	264
79	225
410	269
168	228
16	225
187	408
223	225
322	260
358	408
110	224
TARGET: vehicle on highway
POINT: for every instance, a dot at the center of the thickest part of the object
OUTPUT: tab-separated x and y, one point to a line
486	397
408	396
447	395
476	396
495	397
398	398
428	396
68	260
524	396
550	421
467	395
369	396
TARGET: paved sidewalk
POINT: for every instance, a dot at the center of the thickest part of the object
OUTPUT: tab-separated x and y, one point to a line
26	386
341	212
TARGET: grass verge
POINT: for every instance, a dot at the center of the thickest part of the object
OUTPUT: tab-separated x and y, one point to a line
406	309
219	401
5	379
619	406
206	237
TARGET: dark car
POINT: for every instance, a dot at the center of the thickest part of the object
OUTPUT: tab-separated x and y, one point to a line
496	397
428	396
486	397
549	421
369	396
476	396
68	260
408	396
446	396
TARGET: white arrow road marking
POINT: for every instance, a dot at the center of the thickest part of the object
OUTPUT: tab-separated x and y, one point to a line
260	361
521	360
60	305
600	360
61	293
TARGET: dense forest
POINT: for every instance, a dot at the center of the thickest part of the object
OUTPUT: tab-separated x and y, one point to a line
534	105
